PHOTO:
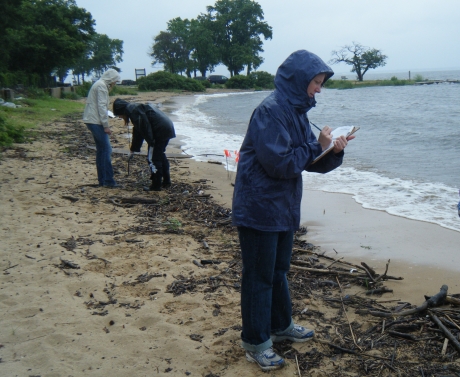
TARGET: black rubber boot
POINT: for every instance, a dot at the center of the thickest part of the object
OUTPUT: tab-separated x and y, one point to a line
156	182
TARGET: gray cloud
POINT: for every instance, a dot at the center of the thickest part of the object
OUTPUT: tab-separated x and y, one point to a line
414	34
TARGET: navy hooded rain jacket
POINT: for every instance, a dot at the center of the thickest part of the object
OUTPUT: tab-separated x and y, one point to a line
279	145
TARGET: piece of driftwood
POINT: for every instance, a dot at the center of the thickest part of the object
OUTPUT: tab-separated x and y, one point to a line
210	261
324	271
73	199
329	258
68	264
350	351
433	301
445	330
402	335
378	291
135	200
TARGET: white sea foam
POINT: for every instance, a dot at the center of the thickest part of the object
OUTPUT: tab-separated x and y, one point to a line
423	201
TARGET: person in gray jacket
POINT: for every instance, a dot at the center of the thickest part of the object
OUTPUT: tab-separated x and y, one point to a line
97	120
278	147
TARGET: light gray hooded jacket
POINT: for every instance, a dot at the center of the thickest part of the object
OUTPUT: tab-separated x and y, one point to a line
97	103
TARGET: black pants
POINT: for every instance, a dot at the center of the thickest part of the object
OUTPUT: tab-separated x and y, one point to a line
156	156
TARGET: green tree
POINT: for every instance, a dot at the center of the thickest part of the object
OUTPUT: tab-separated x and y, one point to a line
101	53
180	29
172	48
205	53
51	36
361	58
165	50
9	17
105	53
238	26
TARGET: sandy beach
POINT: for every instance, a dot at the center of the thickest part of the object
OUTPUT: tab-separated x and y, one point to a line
88	282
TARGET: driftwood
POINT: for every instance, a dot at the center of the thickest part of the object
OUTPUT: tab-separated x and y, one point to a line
68	264
324	271
73	199
433	301
135	200
379	291
446	332
452	300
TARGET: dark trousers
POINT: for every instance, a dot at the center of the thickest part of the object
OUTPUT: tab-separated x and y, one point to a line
157	156
265	300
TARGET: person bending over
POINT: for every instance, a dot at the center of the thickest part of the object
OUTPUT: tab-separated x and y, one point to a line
278	146
153	126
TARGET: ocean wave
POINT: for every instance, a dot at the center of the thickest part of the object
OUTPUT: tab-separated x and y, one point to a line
207	135
423	201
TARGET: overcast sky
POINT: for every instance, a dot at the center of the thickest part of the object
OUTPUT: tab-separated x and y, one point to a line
416	35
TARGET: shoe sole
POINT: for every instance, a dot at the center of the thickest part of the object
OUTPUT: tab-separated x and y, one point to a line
277	339
264	368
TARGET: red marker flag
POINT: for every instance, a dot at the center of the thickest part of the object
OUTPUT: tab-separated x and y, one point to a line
227	153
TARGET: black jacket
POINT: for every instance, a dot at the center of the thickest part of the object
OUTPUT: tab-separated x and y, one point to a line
149	123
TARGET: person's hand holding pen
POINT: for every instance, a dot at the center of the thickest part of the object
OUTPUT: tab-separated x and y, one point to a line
325	137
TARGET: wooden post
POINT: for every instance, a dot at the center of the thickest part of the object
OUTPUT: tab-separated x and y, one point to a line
8	95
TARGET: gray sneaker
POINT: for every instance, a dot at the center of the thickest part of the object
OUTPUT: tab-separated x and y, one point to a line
296	334
267	360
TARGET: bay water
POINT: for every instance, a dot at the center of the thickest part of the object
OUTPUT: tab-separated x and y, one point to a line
405	159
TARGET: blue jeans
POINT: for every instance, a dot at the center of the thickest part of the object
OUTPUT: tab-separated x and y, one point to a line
103	155
265	300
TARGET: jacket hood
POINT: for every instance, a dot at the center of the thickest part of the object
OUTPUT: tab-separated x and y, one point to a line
294	75
110	77
119	106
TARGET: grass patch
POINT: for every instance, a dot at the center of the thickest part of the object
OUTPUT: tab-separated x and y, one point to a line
348	84
122	90
15	122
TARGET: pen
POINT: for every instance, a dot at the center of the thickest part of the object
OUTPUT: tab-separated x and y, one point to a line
313	124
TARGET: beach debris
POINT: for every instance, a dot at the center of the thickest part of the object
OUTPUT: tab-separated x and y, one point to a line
70	244
90	256
196	337
144	278
102	314
349	339
68	264
209	261
197	263
73	199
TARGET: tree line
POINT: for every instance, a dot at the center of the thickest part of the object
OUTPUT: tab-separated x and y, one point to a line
42	39
45	39
230	33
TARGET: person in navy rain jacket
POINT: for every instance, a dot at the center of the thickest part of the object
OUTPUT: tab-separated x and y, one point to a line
279	145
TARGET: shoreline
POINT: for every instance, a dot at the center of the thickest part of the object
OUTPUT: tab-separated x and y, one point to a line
347	230
101	317
425	254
